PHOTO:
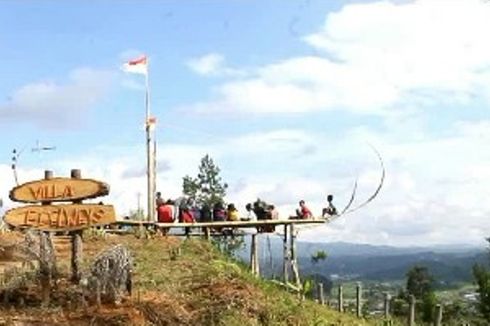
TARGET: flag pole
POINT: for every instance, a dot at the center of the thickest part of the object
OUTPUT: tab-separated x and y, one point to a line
150	176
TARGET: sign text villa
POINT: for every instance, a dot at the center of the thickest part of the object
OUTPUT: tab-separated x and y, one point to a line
50	217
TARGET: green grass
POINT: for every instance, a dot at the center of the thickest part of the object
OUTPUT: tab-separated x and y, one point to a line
212	289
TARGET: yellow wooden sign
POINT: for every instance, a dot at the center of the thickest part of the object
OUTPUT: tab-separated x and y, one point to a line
60	217
58	189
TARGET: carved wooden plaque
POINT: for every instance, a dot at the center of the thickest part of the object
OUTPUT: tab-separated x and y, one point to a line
58	189
60	217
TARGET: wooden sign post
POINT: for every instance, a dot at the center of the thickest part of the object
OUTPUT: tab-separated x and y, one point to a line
73	217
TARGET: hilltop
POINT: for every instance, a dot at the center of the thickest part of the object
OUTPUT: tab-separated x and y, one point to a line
175	283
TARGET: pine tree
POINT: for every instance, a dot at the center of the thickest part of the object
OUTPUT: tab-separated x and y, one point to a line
208	187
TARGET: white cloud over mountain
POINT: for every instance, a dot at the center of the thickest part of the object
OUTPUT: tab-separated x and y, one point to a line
370	58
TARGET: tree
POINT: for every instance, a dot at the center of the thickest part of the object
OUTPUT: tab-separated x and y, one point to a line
317	256
420	284
419	281
208	187
482	279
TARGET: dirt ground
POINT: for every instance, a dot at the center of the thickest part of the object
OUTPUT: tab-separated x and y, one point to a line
67	305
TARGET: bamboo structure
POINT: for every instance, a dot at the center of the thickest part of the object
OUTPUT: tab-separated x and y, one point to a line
294	260
254	256
286	256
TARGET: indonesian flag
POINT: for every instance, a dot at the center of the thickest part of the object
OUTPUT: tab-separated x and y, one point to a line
137	66
151	123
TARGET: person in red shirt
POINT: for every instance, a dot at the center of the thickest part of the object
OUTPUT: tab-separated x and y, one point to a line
303	212
187	216
166	212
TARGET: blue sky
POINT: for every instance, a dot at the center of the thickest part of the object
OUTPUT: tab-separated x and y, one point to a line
286	96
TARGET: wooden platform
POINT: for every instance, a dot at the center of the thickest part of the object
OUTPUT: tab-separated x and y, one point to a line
227	224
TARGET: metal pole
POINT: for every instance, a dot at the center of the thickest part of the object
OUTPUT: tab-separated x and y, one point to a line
149	156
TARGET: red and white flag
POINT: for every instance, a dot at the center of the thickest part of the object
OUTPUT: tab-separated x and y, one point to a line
137	66
151	123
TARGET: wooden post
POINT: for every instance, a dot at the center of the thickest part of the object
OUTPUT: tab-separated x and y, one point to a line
44	269
321	297
411	311
254	257
341	299
359	300
44	266
76	242
438	319
294	259
286	255
98	296
206	234
387	305
48	174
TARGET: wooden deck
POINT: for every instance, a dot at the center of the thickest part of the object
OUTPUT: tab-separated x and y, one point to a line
226	224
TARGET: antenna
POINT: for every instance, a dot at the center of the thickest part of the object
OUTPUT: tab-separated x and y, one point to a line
40	148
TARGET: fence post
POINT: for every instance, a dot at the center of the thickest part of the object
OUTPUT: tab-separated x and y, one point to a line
321	298
286	255
387	305
438	315
411	311
341	299
359	300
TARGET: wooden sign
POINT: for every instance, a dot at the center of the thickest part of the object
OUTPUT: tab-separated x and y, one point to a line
60	217
58	189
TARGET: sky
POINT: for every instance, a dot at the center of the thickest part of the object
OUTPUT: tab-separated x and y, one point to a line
286	97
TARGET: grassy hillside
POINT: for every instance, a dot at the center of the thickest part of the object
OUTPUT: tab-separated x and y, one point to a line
211	289
175	283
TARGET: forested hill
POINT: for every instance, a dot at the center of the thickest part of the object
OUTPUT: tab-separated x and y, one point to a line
449	264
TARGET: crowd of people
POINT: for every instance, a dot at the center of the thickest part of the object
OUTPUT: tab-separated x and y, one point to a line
185	210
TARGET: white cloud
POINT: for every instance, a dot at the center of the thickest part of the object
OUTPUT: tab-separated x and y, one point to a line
212	64
50	104
435	190
373	58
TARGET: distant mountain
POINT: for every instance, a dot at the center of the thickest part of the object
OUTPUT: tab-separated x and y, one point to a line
449	264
